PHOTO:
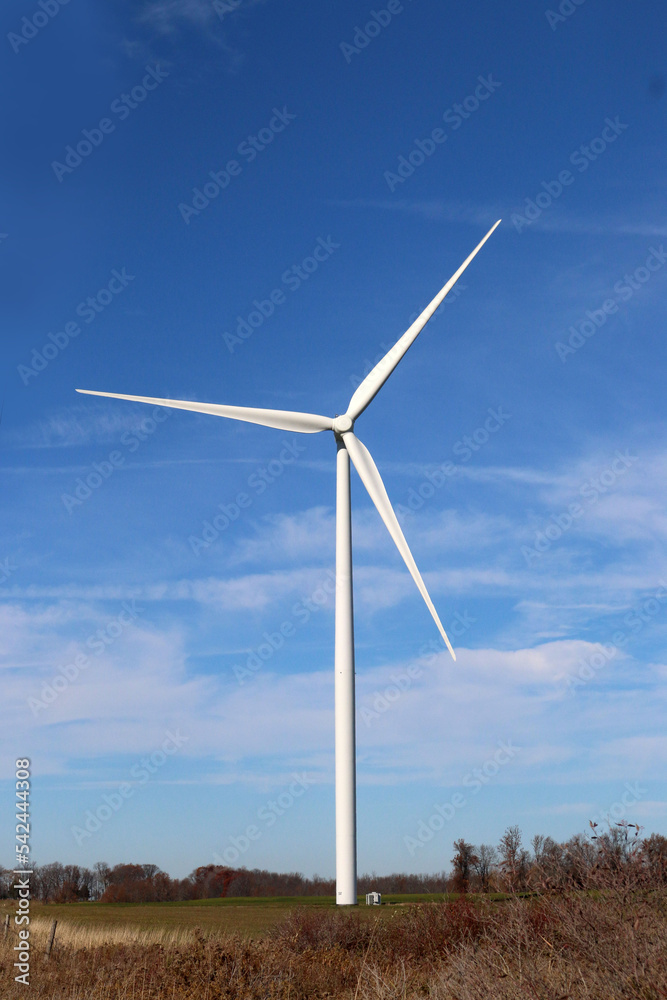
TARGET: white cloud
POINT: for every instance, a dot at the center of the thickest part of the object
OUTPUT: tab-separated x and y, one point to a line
446	719
166	18
78	425
289	537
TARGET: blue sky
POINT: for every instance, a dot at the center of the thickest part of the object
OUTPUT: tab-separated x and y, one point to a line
141	645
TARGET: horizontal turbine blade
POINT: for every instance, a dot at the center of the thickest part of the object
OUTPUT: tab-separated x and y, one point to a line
370	477
374	381
284	420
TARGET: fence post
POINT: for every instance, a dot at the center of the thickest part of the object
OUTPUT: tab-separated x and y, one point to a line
49	943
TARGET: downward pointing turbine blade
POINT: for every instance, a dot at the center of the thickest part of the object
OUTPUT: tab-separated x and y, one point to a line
374	381
284	420
370	477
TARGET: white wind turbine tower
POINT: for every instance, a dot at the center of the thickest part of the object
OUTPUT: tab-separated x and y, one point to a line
349	447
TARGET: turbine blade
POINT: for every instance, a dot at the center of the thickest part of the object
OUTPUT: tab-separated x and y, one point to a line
284	420
374	381
370	477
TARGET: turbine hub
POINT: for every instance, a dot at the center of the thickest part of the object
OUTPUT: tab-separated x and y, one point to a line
343	424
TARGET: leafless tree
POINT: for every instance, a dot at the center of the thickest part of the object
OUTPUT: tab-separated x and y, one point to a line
464	862
102	875
514	860
487	860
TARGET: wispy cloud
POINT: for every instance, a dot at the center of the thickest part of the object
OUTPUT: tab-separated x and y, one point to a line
441	724
435	210
168	18
556	221
76	426
164	15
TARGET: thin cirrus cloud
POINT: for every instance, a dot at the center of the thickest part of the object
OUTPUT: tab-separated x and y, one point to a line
556	221
165	15
74	427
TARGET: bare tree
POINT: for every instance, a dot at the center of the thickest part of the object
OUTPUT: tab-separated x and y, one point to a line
464	861
654	857
6	880
102	874
549	868
47	881
514	859
487	860
580	858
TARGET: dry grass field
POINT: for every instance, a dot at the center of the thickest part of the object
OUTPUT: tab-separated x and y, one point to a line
246	917
165	921
608	945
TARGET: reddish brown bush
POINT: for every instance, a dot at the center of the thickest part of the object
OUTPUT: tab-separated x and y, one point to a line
607	945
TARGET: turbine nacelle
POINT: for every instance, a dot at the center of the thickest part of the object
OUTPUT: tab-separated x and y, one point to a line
342	424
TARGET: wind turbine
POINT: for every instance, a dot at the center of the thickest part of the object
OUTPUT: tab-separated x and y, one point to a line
348	447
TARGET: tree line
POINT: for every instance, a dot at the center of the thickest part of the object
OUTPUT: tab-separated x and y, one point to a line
507	867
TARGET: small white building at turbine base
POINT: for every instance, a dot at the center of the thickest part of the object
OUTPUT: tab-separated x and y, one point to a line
373	899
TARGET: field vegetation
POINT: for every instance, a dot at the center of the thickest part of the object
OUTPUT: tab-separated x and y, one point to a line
588	920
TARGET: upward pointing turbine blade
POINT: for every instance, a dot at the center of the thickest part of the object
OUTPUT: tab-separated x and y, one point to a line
284	420
370	477
374	381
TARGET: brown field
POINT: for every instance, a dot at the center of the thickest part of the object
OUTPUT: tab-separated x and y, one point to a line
599	946
158	922
176	922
